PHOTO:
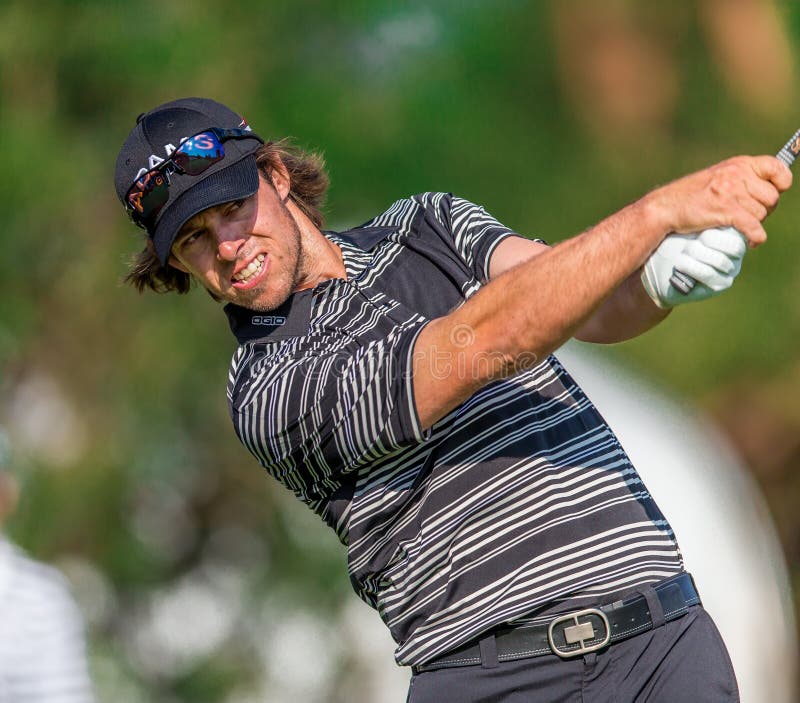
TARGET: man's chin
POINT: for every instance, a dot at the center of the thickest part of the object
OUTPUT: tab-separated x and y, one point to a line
257	300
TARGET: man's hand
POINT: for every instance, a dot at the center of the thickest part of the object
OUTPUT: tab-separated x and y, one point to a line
713	259
739	193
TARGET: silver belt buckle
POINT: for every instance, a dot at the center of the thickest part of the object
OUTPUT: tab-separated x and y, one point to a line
579	633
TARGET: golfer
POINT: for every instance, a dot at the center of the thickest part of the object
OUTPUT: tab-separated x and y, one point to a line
398	378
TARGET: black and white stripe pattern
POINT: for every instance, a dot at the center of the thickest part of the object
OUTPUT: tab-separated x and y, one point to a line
42	647
518	504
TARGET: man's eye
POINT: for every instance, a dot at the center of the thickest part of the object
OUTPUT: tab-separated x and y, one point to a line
193	237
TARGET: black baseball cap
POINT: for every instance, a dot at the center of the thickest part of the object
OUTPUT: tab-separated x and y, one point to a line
157	134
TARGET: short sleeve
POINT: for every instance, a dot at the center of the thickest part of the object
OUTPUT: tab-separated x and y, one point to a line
475	232
316	408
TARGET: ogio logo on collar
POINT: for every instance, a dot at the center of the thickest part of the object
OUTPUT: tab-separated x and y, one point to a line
268	320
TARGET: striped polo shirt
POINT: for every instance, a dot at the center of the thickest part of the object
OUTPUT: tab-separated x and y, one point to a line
518	504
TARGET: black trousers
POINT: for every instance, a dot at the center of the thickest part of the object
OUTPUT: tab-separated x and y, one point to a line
683	661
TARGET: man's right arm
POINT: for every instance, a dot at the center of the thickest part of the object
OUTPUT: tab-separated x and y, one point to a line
528	312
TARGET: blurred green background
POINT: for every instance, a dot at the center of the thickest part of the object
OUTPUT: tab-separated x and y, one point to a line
551	114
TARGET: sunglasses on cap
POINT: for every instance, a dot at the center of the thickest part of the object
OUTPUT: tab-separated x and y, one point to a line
150	191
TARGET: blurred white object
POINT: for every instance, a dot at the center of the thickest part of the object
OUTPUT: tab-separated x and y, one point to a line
42	647
719	516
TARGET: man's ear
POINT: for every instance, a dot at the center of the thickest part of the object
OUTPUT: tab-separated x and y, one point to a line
172	261
281	181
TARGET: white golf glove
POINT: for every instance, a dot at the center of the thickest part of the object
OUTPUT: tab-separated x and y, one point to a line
713	258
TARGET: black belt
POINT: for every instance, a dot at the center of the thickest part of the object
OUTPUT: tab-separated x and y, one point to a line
581	631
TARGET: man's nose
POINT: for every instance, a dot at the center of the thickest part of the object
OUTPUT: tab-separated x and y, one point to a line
229	244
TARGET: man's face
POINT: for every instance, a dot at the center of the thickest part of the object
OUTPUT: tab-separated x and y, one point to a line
247	252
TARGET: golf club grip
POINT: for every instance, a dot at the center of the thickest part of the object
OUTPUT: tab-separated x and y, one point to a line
683	282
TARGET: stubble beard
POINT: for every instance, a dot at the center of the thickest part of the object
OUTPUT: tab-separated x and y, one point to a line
266	300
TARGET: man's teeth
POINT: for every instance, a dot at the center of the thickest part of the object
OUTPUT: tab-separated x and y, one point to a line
250	270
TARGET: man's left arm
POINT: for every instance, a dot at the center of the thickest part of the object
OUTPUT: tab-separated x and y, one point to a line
627	312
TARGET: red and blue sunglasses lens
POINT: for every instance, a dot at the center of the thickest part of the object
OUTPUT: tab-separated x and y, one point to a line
197	154
150	192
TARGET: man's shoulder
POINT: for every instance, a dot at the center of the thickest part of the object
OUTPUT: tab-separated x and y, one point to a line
28	582
401	211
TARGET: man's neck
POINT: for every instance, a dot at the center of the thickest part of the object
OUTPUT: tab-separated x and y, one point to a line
321	258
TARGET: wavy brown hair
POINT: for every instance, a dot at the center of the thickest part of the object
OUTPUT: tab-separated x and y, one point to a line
308	186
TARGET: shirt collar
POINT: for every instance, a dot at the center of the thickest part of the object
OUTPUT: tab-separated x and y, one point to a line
292	317
287	320
364	238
